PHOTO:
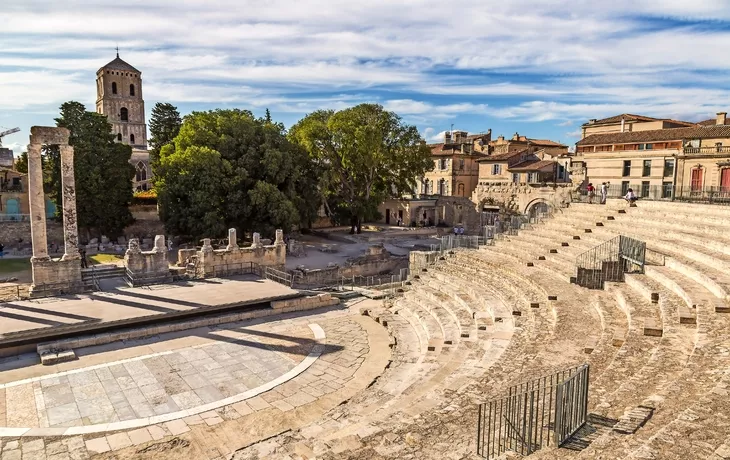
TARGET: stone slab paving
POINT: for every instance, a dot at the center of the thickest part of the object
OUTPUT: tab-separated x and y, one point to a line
126	303
285	342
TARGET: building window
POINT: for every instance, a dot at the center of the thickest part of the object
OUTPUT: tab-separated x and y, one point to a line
460	189
516	178
496	170
131	90
644	189
124	114
718	146
461	164
696	182
131	138
666	189
442	187
646	170
141	172
531	178
442	163
668	168
114	87
627	168
119	136
624	187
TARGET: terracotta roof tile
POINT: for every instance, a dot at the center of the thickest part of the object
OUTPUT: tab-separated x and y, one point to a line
119	64
451	149
671	134
533	166
502	156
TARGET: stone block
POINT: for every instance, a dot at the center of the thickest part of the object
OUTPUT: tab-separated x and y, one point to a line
516	313
588	230
576	237
530	264
552	297
534	305
541	258
599	224
564	244
652	328
432	345
553	251
618	339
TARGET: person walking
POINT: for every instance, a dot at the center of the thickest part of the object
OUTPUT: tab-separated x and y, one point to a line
84	264
604	192
591	193
2	250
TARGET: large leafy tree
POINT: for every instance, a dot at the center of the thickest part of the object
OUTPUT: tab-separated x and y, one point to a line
227	168
164	127
365	155
101	168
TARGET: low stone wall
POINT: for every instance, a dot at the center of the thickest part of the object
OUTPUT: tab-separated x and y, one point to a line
305	303
418	260
377	261
147	267
213	262
11	232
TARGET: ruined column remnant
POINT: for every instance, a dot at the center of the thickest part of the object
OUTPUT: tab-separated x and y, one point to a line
70	223
37	201
160	244
279	237
256	241
232	241
52	277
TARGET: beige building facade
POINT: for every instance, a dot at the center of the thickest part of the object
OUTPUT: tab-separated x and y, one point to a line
678	159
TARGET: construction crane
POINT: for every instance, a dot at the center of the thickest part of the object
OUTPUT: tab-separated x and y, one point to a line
5	133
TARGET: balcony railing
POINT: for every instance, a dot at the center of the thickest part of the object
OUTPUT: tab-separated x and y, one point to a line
708	150
668	192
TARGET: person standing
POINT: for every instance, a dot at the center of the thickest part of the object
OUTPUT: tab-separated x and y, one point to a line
84	264
591	193
2	250
604	192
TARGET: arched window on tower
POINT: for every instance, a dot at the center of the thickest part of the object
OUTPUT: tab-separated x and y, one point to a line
141	172
131	138
124	114
131	90
119	136
114	87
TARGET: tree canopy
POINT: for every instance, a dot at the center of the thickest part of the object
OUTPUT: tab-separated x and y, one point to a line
101	168
365	155
164	127
227	168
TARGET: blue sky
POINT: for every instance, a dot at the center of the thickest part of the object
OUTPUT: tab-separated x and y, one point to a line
539	68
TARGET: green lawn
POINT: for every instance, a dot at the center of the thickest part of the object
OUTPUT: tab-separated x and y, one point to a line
14	265
105	259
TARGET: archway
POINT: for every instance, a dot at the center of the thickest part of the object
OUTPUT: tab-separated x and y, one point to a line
537	207
12	207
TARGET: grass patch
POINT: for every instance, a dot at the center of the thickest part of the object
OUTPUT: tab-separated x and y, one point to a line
14	265
97	259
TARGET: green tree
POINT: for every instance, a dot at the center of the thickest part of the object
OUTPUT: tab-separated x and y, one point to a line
228	169
365	155
102	172
21	164
164	127
267	116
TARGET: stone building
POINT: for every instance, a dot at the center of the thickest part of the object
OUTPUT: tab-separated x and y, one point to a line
119	97
657	158
455	171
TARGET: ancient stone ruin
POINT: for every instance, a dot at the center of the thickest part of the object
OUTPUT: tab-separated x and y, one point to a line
62	276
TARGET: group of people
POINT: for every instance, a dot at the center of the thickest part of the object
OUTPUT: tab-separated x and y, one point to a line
630	196
458	230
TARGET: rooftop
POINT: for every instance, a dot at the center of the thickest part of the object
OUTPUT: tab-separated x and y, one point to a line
670	134
119	64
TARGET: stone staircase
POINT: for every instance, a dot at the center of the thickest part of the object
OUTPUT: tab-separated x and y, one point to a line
480	320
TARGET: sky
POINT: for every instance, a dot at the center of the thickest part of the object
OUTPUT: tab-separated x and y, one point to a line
539	68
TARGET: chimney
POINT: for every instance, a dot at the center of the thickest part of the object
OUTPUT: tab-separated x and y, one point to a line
592	120
516	137
500	138
623	125
721	118
489	134
447	137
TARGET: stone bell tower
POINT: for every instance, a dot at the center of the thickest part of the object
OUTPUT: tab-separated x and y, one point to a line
119	97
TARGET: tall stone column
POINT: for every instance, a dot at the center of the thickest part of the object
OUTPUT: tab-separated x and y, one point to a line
68	185
37	202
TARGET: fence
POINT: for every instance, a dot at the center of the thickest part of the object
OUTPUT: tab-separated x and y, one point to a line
665	192
278	276
532	413
609	261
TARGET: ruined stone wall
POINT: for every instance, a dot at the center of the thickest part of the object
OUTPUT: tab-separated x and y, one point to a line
418	260
518	198
11	232
459	211
212	261
147	267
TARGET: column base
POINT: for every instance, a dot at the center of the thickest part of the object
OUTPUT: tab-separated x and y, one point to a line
56	277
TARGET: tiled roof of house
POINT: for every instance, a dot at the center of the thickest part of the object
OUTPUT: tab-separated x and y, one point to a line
710	122
451	149
546	142
671	134
533	166
502	156
632	117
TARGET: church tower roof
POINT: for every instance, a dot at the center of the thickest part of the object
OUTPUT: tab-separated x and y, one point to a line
119	64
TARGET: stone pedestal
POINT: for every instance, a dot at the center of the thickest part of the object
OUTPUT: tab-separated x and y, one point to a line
256	241
70	224
232	240
147	267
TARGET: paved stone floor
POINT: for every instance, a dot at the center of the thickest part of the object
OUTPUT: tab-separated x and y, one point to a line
125	303
172	373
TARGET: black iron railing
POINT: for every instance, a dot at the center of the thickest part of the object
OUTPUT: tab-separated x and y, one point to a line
666	192
541	412
609	261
